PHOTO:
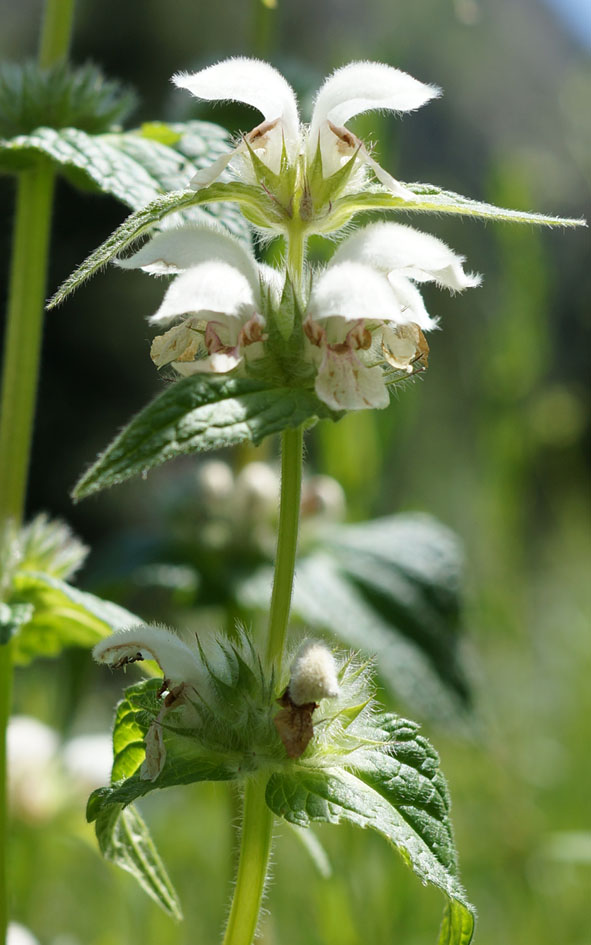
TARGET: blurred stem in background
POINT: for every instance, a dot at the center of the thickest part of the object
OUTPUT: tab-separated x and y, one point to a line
22	348
264	18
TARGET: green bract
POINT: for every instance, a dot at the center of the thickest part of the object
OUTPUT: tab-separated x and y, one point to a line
59	97
222	723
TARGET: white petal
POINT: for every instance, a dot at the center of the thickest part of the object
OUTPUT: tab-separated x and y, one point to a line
250	81
210	287
207	175
176	250
394	247
344	383
364	86
219	363
180	343
177	662
353	291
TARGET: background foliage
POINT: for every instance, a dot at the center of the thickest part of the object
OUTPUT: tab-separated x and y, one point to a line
493	442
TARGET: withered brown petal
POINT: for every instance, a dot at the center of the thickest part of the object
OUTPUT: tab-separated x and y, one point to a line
294	726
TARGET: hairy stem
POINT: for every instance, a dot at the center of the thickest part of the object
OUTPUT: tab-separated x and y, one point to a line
255	847
257	818
289	516
20	372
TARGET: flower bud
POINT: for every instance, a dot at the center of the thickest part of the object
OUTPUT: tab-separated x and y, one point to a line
313	674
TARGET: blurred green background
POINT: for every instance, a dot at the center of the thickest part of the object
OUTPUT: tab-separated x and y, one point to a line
494	441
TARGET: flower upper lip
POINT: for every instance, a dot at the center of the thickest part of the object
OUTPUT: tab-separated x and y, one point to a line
355	88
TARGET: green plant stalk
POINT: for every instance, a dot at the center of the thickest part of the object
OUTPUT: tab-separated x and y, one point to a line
257	823
56	33
296	254
24	328
22	348
255	846
292	446
17	408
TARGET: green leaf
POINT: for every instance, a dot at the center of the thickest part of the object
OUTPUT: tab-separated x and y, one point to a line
132	166
432	199
138	223
12	617
125	840
61	616
397	790
187	760
195	414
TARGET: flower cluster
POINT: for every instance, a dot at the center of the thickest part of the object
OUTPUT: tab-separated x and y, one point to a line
361	318
227	703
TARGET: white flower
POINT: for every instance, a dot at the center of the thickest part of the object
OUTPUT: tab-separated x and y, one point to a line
17	934
365	312
313	674
34	784
184	676
179	664
216	294
356	88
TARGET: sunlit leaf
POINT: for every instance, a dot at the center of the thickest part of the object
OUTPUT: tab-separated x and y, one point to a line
195	414
397	790
138	223
60	615
432	199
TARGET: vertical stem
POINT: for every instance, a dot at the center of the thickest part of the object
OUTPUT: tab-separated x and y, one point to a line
56	33
20	372
24	327
257	818
255	846
292	442
17	408
296	255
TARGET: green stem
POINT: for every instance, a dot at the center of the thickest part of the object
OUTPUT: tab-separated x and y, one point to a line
296	255
17	408
292	442
257	818
22	349
23	335
255	847
56	33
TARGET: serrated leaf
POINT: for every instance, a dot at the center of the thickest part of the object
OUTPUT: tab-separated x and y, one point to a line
187	760
133	167
397	790
125	840
432	199
195	414
61	616
138	223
